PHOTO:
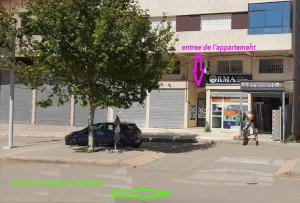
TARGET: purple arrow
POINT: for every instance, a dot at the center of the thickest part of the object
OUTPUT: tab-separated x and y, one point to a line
196	58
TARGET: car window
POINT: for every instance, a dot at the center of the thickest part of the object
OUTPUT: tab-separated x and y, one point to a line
130	127
110	126
102	126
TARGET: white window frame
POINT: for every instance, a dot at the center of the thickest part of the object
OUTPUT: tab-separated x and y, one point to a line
216	72
216	22
156	21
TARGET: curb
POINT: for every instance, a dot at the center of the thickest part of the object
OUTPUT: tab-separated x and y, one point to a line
136	161
63	161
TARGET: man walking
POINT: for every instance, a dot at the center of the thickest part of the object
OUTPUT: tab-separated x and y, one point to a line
117	136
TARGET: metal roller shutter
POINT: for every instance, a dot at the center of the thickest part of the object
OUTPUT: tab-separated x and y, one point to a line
167	108
53	115
136	114
82	115
23	99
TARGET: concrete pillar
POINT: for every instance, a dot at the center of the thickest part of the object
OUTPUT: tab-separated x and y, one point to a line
148	104
250	103
33	107
110	114
208	113
293	112
72	110
283	117
186	108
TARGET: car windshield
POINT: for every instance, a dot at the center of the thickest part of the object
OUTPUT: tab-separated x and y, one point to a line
130	127
104	126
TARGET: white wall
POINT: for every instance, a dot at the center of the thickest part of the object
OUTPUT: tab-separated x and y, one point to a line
187	7
271	42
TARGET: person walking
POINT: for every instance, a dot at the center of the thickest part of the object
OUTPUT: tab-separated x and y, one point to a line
117	136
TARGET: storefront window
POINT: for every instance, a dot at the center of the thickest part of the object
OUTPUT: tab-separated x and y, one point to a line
231	118
217	115
226	112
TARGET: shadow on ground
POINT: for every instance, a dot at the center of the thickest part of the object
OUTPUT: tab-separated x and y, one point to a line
173	147
170	136
19	143
84	149
165	147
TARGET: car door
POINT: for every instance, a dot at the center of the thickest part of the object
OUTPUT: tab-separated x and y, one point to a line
103	134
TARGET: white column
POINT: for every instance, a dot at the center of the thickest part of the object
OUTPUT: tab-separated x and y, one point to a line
148	106
291	99
11	109
186	109
110	114
283	117
33	107
72	111
208	104
250	103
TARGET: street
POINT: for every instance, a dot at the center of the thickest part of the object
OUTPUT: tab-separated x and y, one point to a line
225	172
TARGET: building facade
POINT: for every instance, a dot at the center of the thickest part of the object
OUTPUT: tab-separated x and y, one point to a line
250	57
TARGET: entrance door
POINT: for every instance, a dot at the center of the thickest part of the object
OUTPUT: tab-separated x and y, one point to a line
201	113
263	107
263	121
217	114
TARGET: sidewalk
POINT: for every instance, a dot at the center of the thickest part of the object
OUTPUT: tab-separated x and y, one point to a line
190	135
194	135
51	150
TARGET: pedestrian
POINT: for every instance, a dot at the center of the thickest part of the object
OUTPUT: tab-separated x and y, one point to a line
117	136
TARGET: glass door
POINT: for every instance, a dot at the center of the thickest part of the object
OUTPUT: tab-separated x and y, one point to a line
217	114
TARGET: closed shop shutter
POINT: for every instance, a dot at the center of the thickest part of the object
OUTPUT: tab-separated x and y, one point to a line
22	105
82	115
53	115
136	114
167	108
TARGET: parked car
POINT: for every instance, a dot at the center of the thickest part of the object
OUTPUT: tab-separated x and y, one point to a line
104	133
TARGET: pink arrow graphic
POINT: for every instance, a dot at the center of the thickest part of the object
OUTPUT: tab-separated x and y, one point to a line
196	58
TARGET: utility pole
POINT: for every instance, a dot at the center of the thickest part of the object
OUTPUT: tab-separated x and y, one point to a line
12	84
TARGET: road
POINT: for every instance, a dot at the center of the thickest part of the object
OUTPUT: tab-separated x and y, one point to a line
224	173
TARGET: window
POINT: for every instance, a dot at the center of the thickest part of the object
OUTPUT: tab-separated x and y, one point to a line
188	23
176	70
239	21
230	67
269	18
271	66
216	22
157	20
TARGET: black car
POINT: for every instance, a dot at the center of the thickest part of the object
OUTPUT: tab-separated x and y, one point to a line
104	133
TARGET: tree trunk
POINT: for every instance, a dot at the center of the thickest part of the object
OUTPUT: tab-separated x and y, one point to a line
91	144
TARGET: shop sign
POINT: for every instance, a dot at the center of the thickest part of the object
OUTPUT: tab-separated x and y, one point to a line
259	86
227	79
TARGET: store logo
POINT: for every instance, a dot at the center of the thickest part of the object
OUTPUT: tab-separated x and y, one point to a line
198	59
222	79
213	79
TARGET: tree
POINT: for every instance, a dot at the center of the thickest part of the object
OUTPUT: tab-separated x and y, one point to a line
104	52
7	37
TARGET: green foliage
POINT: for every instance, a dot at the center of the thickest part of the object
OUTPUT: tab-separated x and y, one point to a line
292	139
6	37
102	51
207	128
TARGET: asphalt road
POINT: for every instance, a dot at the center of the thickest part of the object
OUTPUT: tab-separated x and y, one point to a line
191	173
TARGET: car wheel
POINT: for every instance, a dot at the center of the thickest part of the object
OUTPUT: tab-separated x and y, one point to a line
136	145
73	142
